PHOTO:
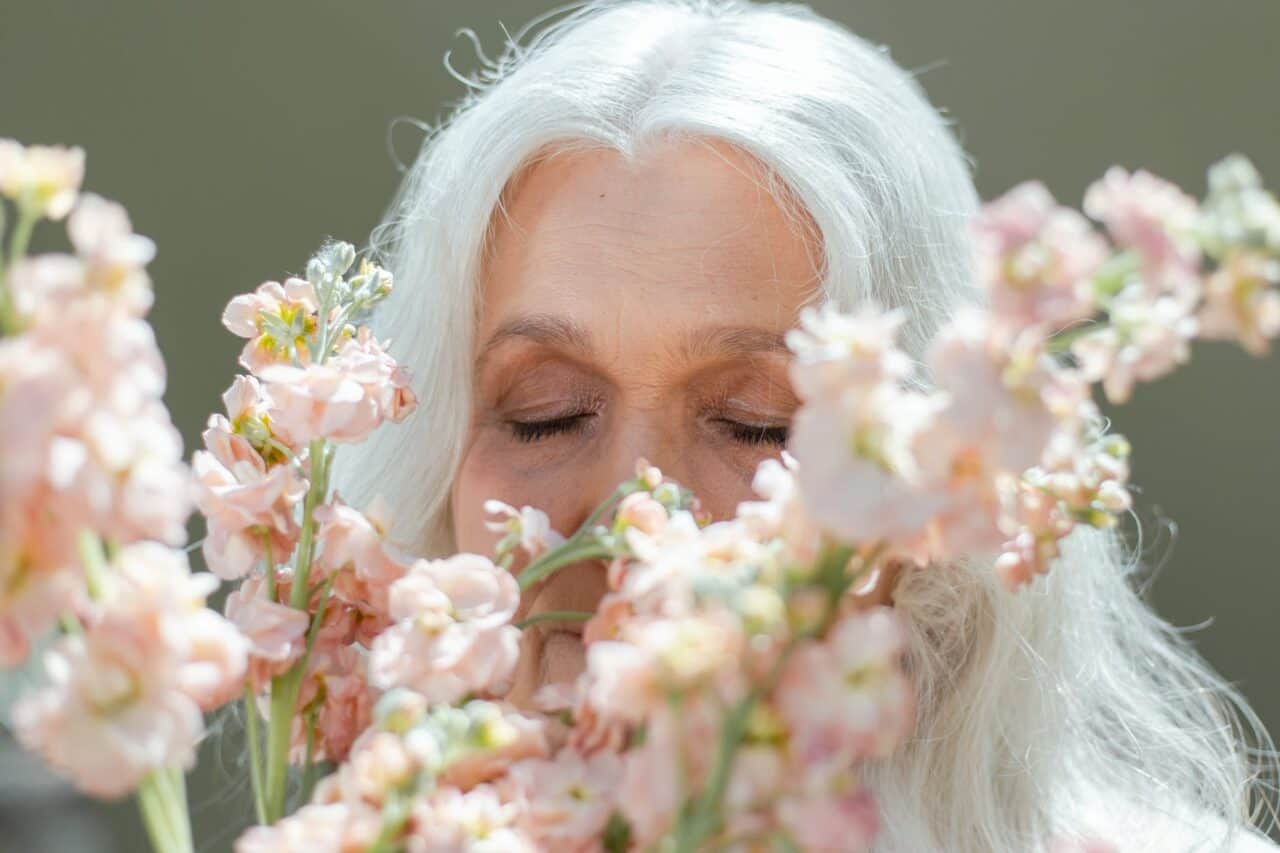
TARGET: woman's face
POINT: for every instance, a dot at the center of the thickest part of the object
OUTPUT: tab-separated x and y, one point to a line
626	312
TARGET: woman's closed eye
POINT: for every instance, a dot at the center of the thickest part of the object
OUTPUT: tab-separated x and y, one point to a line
537	430
753	434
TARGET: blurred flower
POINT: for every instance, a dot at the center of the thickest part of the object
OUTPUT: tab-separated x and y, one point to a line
530	528
1242	302
567	799
1036	259
1154	218
451	634
40	178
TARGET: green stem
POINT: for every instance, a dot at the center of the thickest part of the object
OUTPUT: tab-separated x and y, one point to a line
284	695
94	561
556	616
162	802
255	753
570	552
316	492
705	817
21	233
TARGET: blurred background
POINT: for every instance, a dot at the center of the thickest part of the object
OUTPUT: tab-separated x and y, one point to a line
240	133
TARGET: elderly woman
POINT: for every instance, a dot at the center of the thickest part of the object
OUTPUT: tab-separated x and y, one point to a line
598	256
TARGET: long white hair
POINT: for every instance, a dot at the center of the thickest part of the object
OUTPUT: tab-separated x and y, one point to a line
1037	711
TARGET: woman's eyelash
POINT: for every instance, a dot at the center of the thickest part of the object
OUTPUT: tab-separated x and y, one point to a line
754	433
530	431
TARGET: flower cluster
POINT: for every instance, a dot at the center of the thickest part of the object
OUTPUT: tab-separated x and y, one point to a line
736	682
94	498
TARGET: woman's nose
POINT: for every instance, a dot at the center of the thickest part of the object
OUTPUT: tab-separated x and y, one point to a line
656	443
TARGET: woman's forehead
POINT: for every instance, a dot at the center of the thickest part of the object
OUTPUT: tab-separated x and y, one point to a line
686	235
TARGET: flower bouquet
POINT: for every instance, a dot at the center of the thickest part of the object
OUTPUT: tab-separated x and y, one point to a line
736	682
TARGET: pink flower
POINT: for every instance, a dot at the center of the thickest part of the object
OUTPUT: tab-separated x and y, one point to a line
478	821
249	410
354	546
244	502
40	575
839	821
1036	259
1147	337
344	399
1153	217
113	259
845	697
276	632
856	472
279	321
530	527
641	511
335	691
568	799
836	351
451	634
125	696
1242	302
515	738
339	827
41	178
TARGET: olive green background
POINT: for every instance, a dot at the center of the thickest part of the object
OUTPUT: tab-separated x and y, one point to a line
240	133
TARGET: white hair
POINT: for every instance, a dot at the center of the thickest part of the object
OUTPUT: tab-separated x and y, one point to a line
1032	706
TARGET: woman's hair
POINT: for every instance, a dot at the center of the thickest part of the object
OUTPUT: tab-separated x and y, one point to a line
1038	710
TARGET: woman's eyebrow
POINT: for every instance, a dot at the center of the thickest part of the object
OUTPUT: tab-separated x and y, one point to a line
566	333
551	330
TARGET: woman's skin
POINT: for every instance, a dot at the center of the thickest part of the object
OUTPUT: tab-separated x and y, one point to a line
627	312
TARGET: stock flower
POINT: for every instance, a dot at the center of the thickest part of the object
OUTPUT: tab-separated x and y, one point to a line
845	697
567	799
353	546
837	821
477	821
511	738
41	178
1036	258
1146	338
40	576
336	695
344	399
279	321
1242	302
1151	216
112	258
856	472
836	351
316	828
641	511
530	526
125	696
275	631
248	506
451	634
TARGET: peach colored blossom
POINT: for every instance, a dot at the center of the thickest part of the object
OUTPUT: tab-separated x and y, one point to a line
40	575
1242	302
641	511
855	468
317	828
124	697
530	526
846	695
523	737
835	351
344	399
833	822
279	321
243	501
113	258
335	690
353	546
451	634
1145	339
1154	218
276	632
42	178
568	799
1036	259
477	821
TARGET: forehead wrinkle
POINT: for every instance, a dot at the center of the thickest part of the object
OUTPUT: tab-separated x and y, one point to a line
558	332
704	342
